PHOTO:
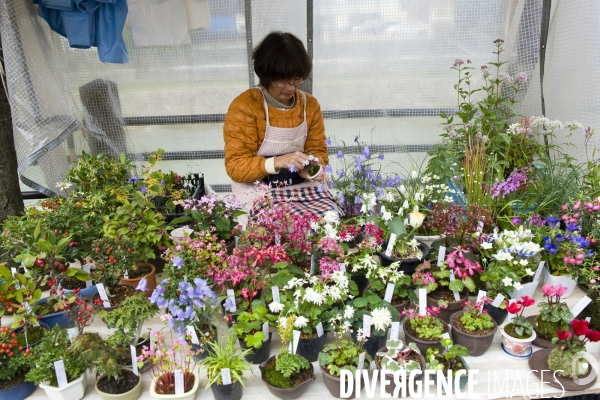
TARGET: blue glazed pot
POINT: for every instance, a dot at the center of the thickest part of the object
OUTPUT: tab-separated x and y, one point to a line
19	392
87	292
57	318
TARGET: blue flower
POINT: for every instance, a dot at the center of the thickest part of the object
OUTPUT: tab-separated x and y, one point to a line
328	170
162	182
142	285
559	238
356	139
144	189
553	222
229	305
571	227
293	168
340	155
178	262
366	152
351	188
357	200
551	248
135	179
340	173
381	157
328	142
320	188
331	184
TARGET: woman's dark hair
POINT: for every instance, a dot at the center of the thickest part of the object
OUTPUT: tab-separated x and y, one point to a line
280	56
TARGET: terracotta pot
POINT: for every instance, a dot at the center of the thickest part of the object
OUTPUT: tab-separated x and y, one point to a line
290	393
408	266
333	384
150	279
391	386
475	344
133	394
453	306
515	346
423	345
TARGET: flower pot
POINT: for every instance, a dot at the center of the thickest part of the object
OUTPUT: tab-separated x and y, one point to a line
333	384
540	341
362	282
498	314
514	346
429	240
372	344
538	363
19	391
408	266
88	292
72	391
462	380
564	280
227	392
475	344
401	306
316	174
190	395
57	318
150	279
133	394
288	393
423	345
178	233
311	347
258	355
391	386
119	287
527	289
453	306
19	329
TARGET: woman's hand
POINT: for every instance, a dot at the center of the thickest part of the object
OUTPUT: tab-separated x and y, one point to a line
287	160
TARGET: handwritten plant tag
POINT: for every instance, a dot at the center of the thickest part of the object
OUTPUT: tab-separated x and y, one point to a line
361	363
265	328
192	333
61	375
422	301
441	255
72	332
320	329
134	366
342	267
580	306
389	292
395	330
367	325
275	291
179	388
390	246
226	376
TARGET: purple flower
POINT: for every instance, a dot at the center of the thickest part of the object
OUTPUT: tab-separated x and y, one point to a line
511	184
293	168
328	170
320	188
162	182
142	285
144	189
381	157
521	77
340	155
366	152
553	222
328	142
516	221
229	305
356	139
178	262
135	179
340	173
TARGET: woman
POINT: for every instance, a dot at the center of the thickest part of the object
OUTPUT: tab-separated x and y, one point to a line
271	130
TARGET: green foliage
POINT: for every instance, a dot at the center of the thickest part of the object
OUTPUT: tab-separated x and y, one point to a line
365	305
277	379
288	364
12	358
248	325
97	354
547	329
562	363
225	355
129	318
450	360
427	327
98	172
396	357
112	257
475	320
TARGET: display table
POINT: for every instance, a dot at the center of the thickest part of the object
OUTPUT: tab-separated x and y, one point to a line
499	376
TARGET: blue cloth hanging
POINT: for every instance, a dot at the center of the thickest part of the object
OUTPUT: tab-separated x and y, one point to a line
89	23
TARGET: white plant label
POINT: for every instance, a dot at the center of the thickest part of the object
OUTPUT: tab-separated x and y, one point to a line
179	388
265	328
538	272
296	340
342	267
441	255
13	271
389	292
361	363
312	264
72	332
226	376
61	375
480	295
580	306
367	325
103	295
231	295
498	300
86	268
422	301
126	274
588	319
275	291
390	246
395	331
134	360
456	294
320	329
192	333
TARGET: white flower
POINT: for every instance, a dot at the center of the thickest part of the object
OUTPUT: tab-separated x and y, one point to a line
283	322
385	214
331	217
415	219
275	307
448	199
389	196
314	225
414	174
487	245
419	196
529	272
517	286
507	281
312	296
360	335
381	318
63	185
402	189
300	322
523	262
574	125
349	312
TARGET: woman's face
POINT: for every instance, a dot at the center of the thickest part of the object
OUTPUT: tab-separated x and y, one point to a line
284	90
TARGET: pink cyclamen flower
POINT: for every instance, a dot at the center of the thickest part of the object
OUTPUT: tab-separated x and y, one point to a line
548	290
560	290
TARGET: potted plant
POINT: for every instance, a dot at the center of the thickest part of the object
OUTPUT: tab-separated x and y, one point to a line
287	374
221	356
473	328
405	249
554	316
166	360
396	356
450	360
248	328
55	346
13	367
341	355
424	330
442	222
518	334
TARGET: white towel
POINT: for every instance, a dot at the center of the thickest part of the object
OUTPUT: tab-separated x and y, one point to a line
159	22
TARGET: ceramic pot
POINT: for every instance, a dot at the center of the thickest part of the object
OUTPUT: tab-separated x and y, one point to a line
401	306
429	240
20	391
475	344
72	391
290	393
462	380
42	324
191	395
311	347
423	345
498	314
258	355
133	394
362	282
527	289
333	384
88	292
407	266
514	346
227	392
150	279
57	318
391	386
372	344
564	280
313	176
538	363
453	306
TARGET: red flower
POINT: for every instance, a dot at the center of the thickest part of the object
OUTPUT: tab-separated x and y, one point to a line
526	301
563	335
580	327
514	308
592	335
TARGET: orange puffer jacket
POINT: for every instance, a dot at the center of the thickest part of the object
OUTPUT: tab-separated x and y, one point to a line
244	131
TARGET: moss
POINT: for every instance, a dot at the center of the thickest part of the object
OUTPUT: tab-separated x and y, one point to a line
276	379
546	329
593	311
562	362
510	329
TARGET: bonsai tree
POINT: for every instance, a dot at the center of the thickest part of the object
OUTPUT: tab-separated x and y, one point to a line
225	355
112	259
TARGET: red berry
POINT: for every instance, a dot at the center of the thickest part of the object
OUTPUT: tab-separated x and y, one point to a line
40	262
